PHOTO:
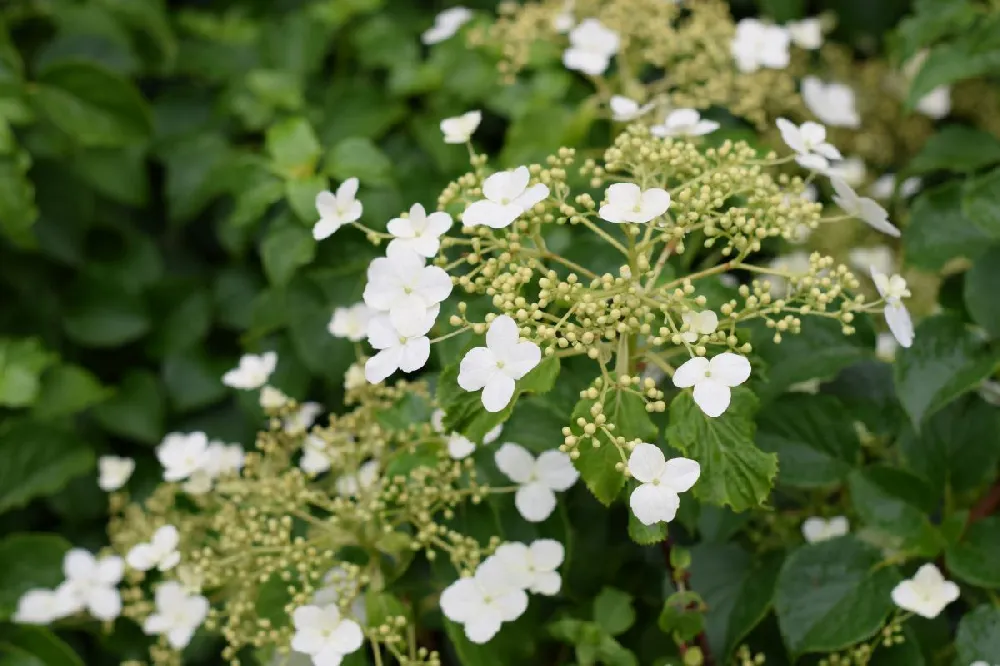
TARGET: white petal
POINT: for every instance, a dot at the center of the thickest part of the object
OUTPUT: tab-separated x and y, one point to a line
511	604
900	324
477	368
78	564
380	366
498	392
483	627
491	214
646	462
502	336
555	470
531	196
691	372
535	501
679	474
814	529
347	637
104	603
461	601
791	135
655	202
515	461
653	504
416	351
838	526
712	397
729	368
459	447
877	217
522	359
547	554
347	192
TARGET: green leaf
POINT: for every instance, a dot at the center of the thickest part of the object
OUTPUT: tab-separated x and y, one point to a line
939	231
782	10
117	173
136	411
956	148
17	199
737	588
193	380
833	594
945	361
66	390
613	611
894	505
683	616
301	195
293	147
645	535
982	285
29	561
816	445
22	363
103	313
974	558
975	52
183	311
357	157
734	471
37	459
92	105
285	249
978	636
932	22
40	643
981	202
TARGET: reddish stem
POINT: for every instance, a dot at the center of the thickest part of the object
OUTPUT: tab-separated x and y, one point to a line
684	578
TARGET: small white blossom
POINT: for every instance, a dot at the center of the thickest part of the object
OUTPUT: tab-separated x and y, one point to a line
272	398
252	372
879	258
420	232
833	103
794	263
336	210
460	446
807	33
533	566
628	203
354	378
867	210
818	529
178	614
221	460
538	479
758	45
883	188
182	454
809	143
114	472
564	21
484	601
713	379
461	128
314	459
852	171
446	24
893	290
926	594
91	583
350	484
495	368
41	607
699	324
350	322
323	634
661	482
401	285
936	104
684	122
507	198
625	109
159	553
592	46
405	348
302	419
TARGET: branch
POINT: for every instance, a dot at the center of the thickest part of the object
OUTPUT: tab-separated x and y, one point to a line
683	580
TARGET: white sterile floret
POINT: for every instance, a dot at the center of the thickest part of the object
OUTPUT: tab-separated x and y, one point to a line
403	347
420	232
684	122
628	203
507	198
182	454
533	566
833	103
713	379
883	188
495	368
460	446
461	128
222	459
114	472
538	479
160	552
851	170
926	594
350	485
91	583
351	322
624	109
177	616
758	45
660	483
807	33
867	210
302	419
893	290
401	285
936	104
323	634
314	459
484	601
38	606
591	47
816	529
446	24
564	21
809	143
272	398
252	372
880	258
699	324
336	210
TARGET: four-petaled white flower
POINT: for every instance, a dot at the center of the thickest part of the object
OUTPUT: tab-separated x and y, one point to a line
38	606
624	109
807	33
628	203
684	122
252	372
833	103
221	459
420	232
404	347
699	324
883	188
484	601
350	322
936	104
893	290
538	479
816	529
809	143
507	198
322	633
336	210
495	368
661	482
591	47
446	24
926	594
302	419
461	128
114	472
90	583
350	485
182	454
867	210
533	566
314	459
159	553
712	380
178	614
401	285
758	45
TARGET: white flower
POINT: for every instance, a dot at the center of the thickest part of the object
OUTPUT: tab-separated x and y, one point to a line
221	459
879	258
302	419
538	479
757	45
90	583
883	188
446	24
684	122
926	594
405	348
314	459
336	210
401	285
460	446
178	614
533	567
114	472
713	379
833	103
354	378
936	104
350	322
420	232
564	21
507	198
159	553
484	601
354	484
495	368
867	210
627	203
624	109
885	347
323	634
809	143
893	290
591	47
45	606
807	33
699	324
461	128
794	263
182	454
818	529
252	372
852	171
272	398
661	482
